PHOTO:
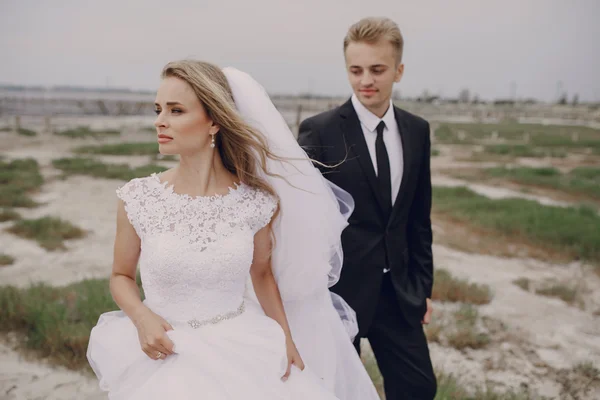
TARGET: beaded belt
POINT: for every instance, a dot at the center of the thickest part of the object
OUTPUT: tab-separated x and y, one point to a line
194	323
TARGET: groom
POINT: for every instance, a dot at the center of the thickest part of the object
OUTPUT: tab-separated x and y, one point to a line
381	156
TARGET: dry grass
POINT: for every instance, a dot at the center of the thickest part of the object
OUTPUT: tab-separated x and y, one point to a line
451	289
577	382
8	215
370	363
434	331
466	333
5	260
568	294
450	388
49	232
523	283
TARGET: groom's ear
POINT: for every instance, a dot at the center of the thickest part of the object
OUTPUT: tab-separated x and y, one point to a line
399	72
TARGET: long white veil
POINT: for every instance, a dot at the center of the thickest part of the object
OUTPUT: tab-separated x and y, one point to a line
307	257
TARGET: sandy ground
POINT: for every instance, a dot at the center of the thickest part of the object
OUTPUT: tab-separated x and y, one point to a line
26	380
539	335
534	340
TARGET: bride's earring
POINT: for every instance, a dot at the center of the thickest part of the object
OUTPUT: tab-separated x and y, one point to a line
212	142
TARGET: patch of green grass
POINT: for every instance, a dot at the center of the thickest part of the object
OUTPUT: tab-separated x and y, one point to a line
525	172
6	129
7	214
121	149
91	167
55	322
49	232
592	173
18	179
447	133
522	150
448	288
435	152
26	132
5	260
574	231
582	180
516	150
85	131
538	134
563	142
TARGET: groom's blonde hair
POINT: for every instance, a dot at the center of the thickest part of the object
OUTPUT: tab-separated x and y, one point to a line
372	30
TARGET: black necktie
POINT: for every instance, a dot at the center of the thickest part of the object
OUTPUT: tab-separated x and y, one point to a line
383	170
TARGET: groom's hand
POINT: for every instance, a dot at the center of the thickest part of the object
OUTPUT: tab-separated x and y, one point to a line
427	317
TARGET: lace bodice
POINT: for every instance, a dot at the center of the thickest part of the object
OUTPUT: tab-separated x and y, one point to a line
196	252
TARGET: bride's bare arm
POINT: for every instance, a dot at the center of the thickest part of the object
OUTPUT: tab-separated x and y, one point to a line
125	292
268	294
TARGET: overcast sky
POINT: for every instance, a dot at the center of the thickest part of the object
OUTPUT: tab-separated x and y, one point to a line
296	46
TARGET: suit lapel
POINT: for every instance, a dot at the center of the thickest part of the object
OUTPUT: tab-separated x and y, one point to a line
352	130
406	159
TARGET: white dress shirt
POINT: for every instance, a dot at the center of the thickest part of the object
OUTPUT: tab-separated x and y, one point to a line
391	138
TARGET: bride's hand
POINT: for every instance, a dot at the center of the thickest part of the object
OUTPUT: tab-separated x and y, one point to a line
293	358
152	332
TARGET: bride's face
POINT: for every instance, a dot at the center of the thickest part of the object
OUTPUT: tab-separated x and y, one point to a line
182	123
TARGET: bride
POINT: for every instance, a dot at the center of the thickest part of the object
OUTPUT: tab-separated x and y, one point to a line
237	247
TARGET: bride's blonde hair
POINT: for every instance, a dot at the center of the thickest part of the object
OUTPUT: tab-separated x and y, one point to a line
242	148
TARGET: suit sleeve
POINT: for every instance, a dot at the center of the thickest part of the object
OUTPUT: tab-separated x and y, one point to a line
309	140
419	225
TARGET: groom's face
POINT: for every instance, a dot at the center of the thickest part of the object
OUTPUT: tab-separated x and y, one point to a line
372	70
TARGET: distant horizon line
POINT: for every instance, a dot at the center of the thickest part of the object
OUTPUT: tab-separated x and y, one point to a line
106	89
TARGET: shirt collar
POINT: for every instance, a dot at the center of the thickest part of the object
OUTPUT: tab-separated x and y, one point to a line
370	120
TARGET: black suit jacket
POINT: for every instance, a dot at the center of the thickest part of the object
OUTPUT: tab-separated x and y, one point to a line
371	242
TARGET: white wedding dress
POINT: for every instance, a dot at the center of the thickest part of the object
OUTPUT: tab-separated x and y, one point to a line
195	260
